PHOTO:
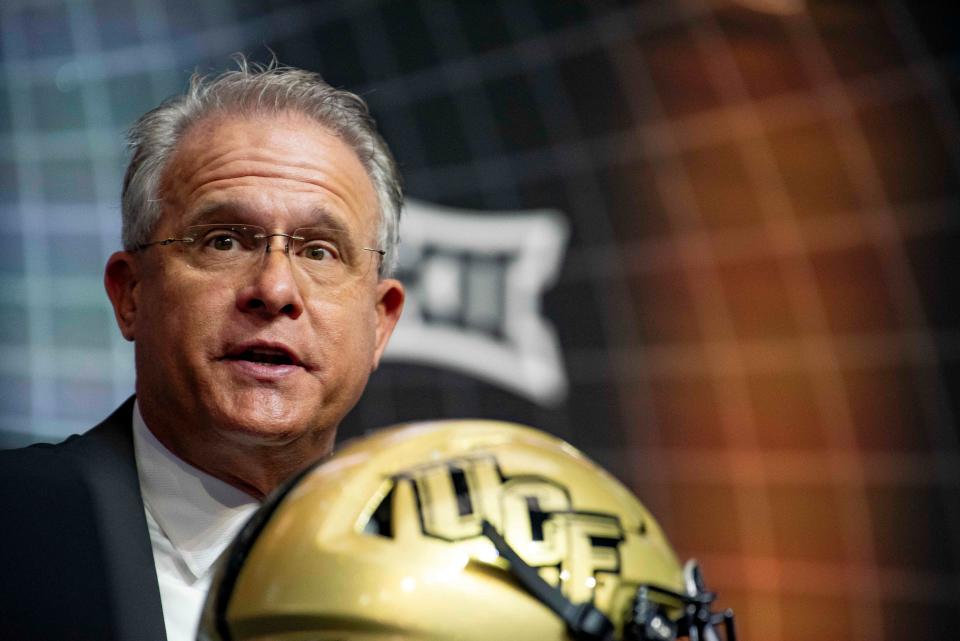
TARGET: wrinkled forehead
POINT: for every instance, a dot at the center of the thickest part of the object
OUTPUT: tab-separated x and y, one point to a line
278	169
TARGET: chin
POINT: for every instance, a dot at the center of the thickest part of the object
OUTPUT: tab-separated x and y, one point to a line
264	418
251	430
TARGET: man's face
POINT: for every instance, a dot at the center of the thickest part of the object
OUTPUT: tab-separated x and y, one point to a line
260	354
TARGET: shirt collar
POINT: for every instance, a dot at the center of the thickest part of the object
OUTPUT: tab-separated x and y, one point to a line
199	514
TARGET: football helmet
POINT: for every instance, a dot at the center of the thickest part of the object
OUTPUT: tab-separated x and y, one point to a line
457	530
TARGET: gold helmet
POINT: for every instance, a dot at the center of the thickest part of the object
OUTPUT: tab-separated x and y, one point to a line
455	531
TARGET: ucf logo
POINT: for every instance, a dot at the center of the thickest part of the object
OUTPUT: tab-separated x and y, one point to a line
570	549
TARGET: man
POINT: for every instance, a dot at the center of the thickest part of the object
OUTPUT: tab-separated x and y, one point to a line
260	215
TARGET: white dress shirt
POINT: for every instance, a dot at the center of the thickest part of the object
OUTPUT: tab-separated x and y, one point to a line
192	518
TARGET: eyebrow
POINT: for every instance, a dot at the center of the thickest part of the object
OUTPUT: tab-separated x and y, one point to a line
234	212
322	217
215	212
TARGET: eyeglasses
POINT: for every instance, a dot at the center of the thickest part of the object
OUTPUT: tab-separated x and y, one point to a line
327	254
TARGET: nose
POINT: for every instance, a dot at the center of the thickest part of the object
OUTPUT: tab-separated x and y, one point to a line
272	288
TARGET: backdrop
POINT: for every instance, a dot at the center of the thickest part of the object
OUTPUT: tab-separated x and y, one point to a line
710	243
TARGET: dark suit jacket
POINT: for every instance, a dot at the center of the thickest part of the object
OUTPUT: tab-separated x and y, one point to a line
75	554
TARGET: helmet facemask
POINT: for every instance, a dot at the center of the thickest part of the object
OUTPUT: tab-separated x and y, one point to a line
648	620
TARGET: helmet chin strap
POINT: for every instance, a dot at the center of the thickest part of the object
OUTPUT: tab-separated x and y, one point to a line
585	621
648	622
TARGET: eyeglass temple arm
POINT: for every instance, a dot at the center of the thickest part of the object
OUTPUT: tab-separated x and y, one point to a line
164	242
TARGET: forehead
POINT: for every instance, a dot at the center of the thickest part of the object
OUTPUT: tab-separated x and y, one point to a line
276	170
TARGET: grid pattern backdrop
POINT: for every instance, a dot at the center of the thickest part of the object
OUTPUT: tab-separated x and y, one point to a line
757	305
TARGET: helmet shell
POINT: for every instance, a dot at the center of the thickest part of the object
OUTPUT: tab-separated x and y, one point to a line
383	541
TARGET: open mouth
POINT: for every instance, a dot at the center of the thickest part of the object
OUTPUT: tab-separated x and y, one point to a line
264	356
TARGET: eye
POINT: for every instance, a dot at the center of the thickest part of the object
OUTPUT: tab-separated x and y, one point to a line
223	242
315	253
227	239
317	246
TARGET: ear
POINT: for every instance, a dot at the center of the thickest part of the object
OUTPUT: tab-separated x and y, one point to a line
390	297
120	278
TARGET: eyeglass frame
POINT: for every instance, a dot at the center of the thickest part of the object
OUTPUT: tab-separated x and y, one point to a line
258	237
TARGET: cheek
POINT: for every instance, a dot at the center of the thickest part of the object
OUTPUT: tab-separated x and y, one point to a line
179	311
348	327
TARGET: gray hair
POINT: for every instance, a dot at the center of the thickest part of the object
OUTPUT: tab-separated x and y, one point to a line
253	90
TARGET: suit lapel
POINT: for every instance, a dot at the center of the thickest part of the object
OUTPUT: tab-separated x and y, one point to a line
106	457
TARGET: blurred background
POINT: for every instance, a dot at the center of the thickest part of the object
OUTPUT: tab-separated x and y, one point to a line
748	305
